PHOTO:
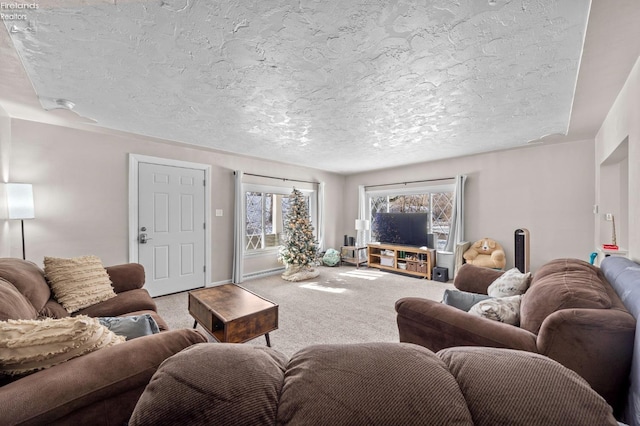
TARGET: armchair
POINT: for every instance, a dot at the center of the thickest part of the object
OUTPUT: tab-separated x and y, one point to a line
570	314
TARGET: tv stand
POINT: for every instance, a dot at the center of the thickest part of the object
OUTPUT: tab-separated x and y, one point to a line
404	259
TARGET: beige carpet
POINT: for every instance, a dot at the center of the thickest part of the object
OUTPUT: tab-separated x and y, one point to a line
342	305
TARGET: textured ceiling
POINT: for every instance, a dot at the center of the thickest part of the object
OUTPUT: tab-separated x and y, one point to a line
339	85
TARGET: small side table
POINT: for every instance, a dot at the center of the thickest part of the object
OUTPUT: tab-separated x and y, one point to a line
233	314
351	254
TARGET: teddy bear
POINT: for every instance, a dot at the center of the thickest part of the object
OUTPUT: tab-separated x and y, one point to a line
486	252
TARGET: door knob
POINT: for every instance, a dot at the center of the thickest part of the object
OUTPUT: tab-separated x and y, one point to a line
143	238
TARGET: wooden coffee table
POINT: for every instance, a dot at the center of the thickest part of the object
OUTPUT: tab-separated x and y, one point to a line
233	314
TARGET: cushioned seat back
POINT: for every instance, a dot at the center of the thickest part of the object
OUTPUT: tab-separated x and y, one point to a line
13	305
28	278
366	383
624	276
562	284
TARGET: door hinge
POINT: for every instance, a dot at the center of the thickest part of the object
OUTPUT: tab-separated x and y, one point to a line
204	182
204	225
204	268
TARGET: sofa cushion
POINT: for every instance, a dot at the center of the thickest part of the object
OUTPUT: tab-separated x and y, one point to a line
78	282
562	284
511	283
28	278
221	383
503	309
131	327
13	305
541	392
462	300
370	383
30	345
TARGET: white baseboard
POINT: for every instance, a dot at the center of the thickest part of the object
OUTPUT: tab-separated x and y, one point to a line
264	273
217	283
251	276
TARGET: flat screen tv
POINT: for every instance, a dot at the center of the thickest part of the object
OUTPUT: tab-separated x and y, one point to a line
410	229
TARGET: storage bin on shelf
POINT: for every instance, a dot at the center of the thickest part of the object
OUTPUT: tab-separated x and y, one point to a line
386	260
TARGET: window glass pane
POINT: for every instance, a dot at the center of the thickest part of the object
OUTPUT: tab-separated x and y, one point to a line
440	205
378	205
265	219
284	205
253	230
409	203
272	220
268	213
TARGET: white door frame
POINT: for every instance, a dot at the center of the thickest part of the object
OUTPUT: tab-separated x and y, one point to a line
134	160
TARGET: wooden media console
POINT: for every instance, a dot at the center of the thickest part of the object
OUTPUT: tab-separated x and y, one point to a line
405	259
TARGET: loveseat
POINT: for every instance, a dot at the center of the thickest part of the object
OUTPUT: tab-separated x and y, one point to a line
101	387
570	313
366	384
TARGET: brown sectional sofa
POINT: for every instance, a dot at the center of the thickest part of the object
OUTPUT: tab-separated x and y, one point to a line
366	384
101	387
570	313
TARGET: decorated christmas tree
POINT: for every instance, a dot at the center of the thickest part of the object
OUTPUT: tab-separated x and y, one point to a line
300	247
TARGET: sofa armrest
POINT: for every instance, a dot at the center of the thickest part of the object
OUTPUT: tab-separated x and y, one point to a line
475	279
93	380
595	343
125	277
438	326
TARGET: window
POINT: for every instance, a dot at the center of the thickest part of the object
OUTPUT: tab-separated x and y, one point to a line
266	209
435	200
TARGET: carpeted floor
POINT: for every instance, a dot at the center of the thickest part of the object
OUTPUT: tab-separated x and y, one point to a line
342	305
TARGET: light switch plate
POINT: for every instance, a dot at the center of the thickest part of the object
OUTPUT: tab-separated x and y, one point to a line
218	212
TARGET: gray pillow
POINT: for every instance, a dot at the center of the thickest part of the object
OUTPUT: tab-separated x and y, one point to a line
131	327
462	299
503	309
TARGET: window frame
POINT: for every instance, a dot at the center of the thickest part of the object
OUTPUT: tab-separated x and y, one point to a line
312	195
399	190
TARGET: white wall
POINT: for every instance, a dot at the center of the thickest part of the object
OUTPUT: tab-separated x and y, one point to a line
80	181
547	189
5	146
618	136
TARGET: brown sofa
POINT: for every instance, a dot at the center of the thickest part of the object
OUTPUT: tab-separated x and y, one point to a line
101	387
366	384
570	313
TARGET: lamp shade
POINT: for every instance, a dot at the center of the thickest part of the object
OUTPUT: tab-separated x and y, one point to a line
20	200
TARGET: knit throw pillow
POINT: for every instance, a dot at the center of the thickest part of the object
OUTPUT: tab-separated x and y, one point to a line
503	309
31	345
78	282
511	283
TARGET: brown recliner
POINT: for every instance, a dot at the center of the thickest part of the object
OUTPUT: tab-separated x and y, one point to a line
570	313
101	387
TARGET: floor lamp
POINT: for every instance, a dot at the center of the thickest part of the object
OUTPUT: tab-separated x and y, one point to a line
20	205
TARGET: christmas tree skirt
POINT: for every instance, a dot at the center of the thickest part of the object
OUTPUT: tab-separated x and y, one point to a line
299	273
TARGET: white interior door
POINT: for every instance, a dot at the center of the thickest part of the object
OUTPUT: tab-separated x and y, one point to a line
171	222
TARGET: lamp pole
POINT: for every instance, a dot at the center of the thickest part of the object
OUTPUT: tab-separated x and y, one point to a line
20	205
24	256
